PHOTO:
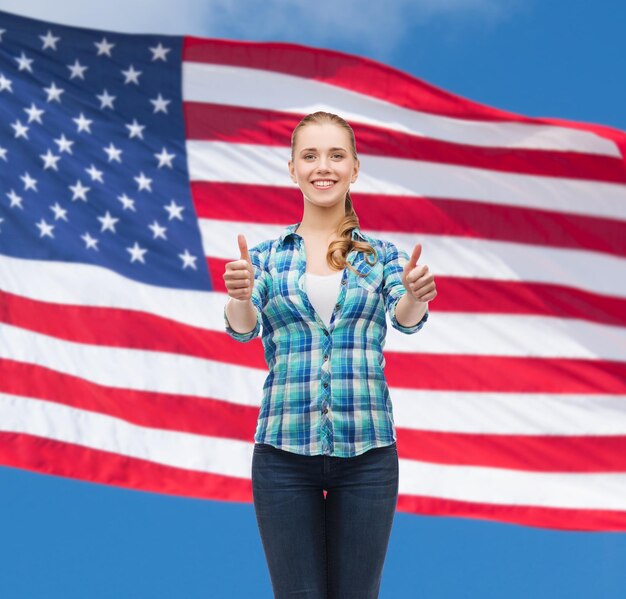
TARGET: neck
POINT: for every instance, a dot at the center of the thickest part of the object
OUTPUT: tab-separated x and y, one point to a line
321	222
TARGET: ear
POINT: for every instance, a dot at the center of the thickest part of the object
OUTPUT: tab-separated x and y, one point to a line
291	171
357	166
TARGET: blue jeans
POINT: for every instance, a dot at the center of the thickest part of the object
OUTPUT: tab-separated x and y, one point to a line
325	548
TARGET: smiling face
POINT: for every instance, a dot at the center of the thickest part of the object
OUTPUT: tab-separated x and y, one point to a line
323	165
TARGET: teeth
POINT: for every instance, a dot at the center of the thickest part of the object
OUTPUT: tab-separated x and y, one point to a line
323	183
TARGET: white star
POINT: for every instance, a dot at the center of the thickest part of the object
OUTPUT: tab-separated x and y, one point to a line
159	52
127	203
113	153
20	130
5	83
54	92
50	160
34	113
79	192
24	63
90	242
157	230
160	104
29	182
94	173
59	212
83	123
3	153
174	210
143	182
136	130
45	229
188	260
131	75
136	253
77	69
108	222
104	47
49	41
106	101
15	200
2	32
65	145
165	159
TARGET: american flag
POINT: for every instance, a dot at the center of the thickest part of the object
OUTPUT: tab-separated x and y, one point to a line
129	164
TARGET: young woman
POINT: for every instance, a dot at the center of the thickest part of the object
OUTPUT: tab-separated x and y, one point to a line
320	292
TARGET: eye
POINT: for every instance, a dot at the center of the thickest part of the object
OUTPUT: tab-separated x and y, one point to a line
340	155
307	155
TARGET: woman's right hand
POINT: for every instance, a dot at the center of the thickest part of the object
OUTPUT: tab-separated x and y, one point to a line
239	274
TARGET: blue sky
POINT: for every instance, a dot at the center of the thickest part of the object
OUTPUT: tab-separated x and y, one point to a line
70	539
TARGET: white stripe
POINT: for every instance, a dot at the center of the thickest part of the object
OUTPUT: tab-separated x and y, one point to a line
269	90
509	413
455	256
229	457
514	487
96	286
254	164
233	458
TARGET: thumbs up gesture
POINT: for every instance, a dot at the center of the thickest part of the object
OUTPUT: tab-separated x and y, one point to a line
239	274
419	283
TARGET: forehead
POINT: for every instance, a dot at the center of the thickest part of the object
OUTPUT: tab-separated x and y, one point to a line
322	136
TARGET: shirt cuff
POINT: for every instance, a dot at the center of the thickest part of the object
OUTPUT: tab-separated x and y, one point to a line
243	337
402	328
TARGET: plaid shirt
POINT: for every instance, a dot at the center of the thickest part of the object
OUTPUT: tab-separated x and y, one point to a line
326	391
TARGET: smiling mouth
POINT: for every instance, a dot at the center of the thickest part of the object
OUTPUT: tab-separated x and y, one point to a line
323	184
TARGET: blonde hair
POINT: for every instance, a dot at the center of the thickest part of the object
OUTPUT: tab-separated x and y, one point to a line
339	249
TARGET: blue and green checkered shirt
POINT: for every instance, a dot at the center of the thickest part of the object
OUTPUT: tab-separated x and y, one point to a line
326	391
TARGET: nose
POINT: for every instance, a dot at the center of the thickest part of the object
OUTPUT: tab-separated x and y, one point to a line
321	167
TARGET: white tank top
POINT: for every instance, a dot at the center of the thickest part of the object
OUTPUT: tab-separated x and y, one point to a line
323	291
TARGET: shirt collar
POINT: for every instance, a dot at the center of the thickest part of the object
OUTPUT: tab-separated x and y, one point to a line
289	230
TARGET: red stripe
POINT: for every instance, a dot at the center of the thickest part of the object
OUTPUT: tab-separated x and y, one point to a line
537	453
73	461
116	328
527	515
185	413
430	216
486	296
494	374
235	124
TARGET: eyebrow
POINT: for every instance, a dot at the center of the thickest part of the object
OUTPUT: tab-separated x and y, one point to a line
315	149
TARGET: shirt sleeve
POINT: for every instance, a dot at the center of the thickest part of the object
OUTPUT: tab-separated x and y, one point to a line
394	289
259	294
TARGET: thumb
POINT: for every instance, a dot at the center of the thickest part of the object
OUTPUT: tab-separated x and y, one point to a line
243	248
417	250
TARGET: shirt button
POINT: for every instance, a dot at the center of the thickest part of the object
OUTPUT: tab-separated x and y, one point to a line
325	410
337	306
325	384
343	281
325	357
326	332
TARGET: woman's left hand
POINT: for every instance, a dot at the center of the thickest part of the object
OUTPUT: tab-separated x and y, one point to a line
419	282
